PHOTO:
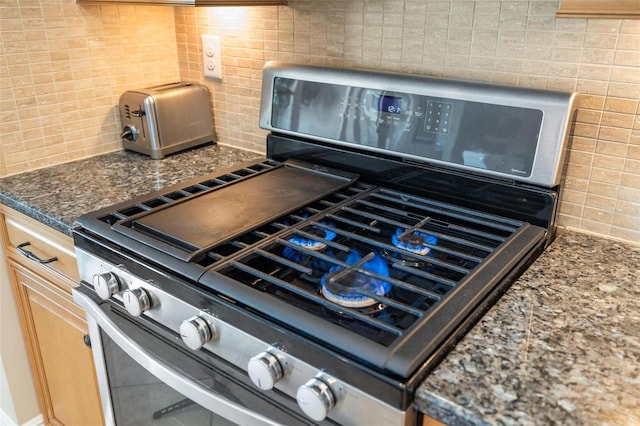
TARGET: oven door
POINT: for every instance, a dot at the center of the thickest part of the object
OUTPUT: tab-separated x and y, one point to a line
147	377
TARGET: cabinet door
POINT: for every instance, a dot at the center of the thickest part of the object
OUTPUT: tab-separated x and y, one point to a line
62	364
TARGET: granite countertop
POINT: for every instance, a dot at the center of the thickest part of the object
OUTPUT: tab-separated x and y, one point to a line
562	346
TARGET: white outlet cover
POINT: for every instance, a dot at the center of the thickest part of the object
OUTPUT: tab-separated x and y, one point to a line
211	56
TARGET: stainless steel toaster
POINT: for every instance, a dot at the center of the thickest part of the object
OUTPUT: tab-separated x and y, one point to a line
163	119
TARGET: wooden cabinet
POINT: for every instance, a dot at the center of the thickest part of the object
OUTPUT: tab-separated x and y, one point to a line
54	327
193	2
610	9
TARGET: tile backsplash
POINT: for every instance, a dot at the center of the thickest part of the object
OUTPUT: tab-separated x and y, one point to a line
64	66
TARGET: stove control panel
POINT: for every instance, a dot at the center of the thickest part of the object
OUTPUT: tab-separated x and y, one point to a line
270	367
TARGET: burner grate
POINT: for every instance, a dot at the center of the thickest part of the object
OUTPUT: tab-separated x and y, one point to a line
459	241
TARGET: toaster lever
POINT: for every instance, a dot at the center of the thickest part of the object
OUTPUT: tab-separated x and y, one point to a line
138	113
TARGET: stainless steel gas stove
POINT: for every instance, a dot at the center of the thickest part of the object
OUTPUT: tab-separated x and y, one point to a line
322	284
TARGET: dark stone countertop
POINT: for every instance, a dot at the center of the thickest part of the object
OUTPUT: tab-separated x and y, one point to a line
562	346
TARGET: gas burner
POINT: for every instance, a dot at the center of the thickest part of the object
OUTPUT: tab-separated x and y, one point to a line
413	241
346	286
313	244
297	256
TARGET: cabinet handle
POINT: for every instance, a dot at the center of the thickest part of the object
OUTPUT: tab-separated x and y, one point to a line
30	255
87	340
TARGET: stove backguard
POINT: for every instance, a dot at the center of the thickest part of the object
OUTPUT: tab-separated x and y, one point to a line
509	133
527	203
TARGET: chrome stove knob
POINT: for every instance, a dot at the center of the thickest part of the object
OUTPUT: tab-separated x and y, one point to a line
106	284
196	331
265	370
316	399
136	301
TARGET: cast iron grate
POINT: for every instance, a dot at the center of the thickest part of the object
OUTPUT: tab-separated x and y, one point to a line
456	243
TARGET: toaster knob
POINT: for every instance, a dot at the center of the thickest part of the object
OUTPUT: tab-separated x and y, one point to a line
129	133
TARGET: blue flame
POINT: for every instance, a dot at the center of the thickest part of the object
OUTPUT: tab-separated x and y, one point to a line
376	265
297	256
311	243
416	248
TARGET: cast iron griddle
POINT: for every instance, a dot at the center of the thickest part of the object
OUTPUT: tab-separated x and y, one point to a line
227	212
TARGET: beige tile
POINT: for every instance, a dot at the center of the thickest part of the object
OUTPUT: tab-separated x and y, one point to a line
595	221
612	119
606	175
614	134
626	233
624	90
621	105
568	221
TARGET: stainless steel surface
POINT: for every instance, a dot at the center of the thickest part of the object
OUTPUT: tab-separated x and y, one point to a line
163	119
238	347
345	108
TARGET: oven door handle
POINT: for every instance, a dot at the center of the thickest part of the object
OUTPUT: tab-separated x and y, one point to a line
187	387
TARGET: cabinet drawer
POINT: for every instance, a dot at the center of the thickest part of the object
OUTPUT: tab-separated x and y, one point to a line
39	246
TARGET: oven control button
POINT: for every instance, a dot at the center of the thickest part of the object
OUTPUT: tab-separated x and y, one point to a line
136	301
106	284
265	370
316	399
196	331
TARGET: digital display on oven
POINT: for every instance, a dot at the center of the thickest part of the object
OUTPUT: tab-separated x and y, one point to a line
392	104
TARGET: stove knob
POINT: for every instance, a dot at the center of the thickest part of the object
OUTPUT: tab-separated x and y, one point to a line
106	284
196	331
265	370
136	301
316	399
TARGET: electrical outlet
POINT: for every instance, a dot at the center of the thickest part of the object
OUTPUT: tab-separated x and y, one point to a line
211	56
